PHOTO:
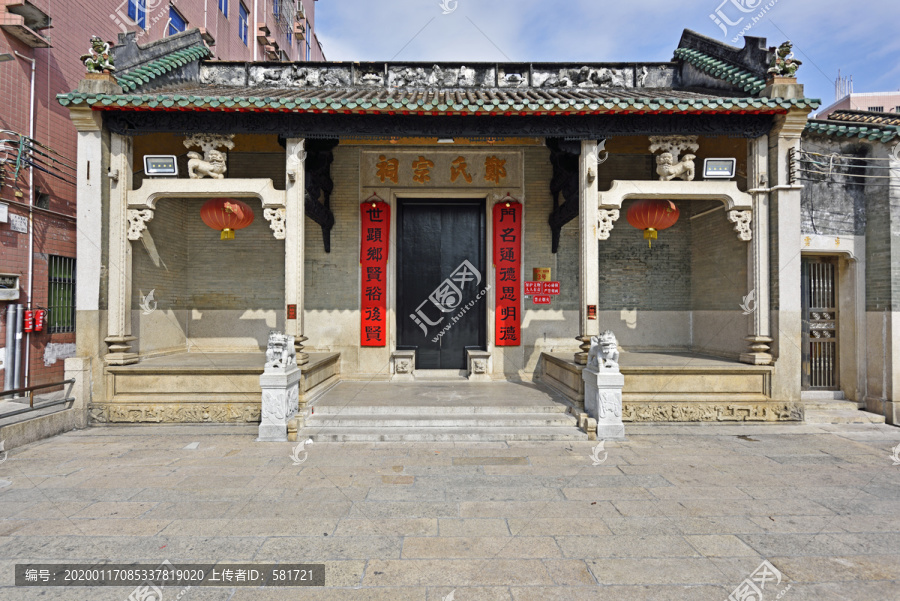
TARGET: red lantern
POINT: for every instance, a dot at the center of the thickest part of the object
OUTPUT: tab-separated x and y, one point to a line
652	216
226	215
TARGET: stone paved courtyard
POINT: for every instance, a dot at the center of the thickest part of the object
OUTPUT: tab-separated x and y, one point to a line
674	512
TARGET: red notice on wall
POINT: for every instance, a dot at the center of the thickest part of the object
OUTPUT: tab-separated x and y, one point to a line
533	288
507	227
550	288
375	217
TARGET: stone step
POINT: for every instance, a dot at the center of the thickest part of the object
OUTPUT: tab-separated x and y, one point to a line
842	417
822	395
432	410
462	420
403	434
838	405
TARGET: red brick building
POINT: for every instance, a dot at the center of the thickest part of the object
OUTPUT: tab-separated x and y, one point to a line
40	46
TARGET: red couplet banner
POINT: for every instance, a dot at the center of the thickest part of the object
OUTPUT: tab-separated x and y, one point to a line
375	217
507	222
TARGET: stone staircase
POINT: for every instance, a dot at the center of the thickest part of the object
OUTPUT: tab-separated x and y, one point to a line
828	407
440	412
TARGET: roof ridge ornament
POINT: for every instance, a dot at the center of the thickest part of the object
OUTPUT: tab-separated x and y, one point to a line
783	63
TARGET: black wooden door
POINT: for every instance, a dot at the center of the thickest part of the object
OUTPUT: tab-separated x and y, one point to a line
441	271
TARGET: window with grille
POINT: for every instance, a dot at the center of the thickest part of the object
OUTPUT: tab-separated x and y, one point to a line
61	302
876	109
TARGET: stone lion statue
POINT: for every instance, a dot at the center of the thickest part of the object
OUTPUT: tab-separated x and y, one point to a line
668	169
280	353
604	352
212	166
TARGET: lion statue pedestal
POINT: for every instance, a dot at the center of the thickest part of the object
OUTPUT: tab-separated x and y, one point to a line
603	383
280	383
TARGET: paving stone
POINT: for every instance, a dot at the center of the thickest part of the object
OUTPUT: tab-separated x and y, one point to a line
681	512
476	527
584	547
436	547
720	545
620	593
455	572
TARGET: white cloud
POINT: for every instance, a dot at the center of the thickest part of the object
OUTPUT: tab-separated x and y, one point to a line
828	34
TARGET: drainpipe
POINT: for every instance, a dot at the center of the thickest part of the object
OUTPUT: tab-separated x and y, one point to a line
27	367
252	28
9	370
17	362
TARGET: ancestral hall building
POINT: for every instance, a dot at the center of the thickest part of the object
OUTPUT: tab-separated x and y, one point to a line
399	219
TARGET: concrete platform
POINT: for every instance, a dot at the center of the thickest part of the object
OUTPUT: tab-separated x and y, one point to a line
680	387
200	387
441	411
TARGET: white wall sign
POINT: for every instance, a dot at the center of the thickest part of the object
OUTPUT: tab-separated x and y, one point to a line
4	212
18	223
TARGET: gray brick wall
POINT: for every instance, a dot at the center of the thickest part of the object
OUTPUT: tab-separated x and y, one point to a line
633	276
834	208
718	260
199	271
169	279
332	279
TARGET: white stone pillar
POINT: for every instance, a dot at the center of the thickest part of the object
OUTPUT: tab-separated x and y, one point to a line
119	335
785	203
294	241
759	335
589	251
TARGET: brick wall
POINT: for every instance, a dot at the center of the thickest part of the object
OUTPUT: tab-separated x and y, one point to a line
332	282
835	208
635	276
199	271
718	260
168	279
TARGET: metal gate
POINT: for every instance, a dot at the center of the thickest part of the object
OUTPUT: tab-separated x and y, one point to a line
820	323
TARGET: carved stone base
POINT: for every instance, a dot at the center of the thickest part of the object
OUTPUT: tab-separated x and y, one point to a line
712	412
585	346
280	396
175	413
479	366
120	351
302	358
759	347
403	366
603	401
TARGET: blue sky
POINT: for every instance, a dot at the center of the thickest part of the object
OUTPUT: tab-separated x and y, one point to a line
859	37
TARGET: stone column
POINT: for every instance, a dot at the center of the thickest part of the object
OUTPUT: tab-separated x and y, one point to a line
785	212
294	241
759	335
119	336
589	251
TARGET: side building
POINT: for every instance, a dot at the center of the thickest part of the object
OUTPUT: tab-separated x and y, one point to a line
40	46
849	166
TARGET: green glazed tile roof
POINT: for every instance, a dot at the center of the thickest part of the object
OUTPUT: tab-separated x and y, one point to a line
402	101
881	133
139	76
742	78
